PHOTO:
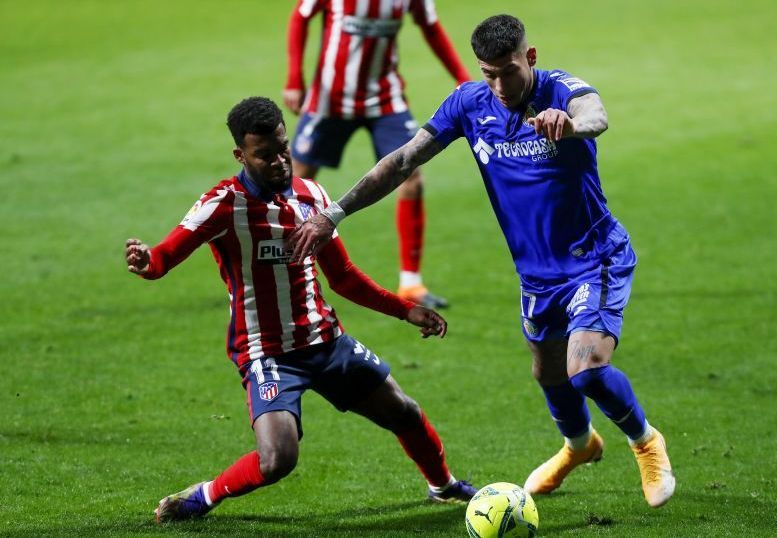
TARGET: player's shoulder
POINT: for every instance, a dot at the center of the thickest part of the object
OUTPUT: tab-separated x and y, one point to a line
473	88
309	191
564	80
223	189
470	96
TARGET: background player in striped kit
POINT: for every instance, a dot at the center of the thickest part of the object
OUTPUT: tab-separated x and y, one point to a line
356	84
283	337
532	132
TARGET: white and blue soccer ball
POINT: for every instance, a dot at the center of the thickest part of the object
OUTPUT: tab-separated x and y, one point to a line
502	510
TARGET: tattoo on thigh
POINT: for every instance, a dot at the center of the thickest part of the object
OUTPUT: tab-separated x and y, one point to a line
582	353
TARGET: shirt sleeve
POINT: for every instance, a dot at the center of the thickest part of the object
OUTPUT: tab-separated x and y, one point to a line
446	124
566	87
297	35
206	220
347	280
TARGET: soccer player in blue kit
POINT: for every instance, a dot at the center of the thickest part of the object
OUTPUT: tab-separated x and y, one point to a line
532	135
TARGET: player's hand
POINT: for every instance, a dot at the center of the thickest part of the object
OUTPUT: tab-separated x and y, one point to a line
293	100
431	323
137	256
310	237
555	124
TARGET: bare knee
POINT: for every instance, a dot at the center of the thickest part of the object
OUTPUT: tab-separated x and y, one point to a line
589	350
549	362
276	462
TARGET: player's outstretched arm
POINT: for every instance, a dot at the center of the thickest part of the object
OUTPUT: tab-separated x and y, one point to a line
386	176
589	118
431	323
137	256
585	117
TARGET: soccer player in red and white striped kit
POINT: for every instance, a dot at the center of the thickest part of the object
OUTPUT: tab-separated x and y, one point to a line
356	84
283	336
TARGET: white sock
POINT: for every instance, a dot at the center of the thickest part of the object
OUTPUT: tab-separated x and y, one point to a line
647	434
581	441
408	279
205	490
434	489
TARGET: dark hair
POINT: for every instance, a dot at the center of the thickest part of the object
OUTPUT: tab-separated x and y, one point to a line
497	36
255	115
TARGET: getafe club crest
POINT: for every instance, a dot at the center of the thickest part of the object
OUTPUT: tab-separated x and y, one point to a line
531	328
268	391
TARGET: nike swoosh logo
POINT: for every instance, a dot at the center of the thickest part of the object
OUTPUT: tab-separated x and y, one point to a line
483	121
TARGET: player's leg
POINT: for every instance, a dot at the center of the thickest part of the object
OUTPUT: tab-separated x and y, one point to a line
569	411
596	320
391	408
388	133
273	390
355	379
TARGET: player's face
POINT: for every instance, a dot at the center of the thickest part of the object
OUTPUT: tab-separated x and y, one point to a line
267	159
510	77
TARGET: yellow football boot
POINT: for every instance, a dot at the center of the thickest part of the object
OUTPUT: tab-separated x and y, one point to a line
657	478
552	473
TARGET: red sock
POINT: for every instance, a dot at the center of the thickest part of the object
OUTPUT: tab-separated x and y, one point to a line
424	447
410	226
242	477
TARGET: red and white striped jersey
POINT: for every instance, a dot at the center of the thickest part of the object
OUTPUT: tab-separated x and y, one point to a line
357	72
276	306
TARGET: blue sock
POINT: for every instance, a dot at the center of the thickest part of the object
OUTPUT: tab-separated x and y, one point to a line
611	390
567	407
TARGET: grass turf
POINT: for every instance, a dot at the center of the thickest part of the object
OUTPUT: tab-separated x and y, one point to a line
116	392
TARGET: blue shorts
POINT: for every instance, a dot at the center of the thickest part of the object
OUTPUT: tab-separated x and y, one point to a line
343	371
320	141
591	301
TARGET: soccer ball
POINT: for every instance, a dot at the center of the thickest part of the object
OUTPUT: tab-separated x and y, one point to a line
502	510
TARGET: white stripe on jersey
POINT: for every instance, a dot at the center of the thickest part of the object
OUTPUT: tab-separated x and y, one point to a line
282	284
243	233
397	102
355	52
330	58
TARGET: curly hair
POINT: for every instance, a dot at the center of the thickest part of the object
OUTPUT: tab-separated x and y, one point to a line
254	115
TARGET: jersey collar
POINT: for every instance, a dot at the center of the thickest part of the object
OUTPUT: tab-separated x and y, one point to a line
258	192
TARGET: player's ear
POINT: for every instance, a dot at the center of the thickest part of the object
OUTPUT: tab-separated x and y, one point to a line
238	154
531	56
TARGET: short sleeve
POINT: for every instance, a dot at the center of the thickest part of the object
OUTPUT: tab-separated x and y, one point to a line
446	124
566	87
208	216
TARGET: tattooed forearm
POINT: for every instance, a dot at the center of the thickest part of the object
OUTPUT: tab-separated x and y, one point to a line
589	118
581	353
390	171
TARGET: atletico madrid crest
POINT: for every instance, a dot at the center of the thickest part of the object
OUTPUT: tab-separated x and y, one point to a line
268	391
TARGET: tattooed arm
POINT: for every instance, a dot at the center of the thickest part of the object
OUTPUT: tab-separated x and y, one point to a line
585	117
386	176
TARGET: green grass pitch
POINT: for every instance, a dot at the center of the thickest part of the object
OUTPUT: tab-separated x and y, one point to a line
115	392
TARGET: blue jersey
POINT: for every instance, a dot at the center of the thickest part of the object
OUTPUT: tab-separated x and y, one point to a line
546	196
